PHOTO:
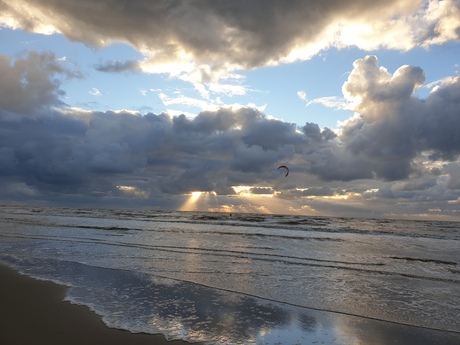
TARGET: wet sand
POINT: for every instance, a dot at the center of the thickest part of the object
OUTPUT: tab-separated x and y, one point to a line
33	312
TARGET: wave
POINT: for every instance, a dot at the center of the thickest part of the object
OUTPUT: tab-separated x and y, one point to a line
304	225
268	257
443	262
405	272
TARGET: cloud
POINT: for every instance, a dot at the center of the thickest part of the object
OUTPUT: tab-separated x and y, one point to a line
201	41
330	102
415	184
95	92
261	191
442	20
118	66
179	99
392	126
396	147
57	150
453	181
302	95
31	83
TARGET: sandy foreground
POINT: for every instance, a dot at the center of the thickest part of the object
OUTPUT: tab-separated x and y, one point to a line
33	312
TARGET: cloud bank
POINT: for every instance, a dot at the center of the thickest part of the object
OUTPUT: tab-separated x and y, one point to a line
396	147
203	41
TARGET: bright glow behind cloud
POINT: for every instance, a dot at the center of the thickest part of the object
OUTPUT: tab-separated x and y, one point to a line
203	41
395	148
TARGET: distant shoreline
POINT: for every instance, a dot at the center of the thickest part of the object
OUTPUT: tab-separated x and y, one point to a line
34	312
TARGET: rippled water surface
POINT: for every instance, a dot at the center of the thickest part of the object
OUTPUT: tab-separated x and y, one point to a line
243	278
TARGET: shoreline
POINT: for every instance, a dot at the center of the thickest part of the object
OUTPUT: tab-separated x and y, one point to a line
34	312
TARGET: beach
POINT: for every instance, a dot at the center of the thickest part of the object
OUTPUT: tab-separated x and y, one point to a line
146	277
34	312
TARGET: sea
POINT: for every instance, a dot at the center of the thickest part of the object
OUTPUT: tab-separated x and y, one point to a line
222	278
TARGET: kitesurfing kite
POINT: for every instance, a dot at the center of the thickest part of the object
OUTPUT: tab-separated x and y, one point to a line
285	168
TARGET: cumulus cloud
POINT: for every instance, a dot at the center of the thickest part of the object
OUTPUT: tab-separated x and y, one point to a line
75	153
392	126
442	20
201	41
61	150
397	146
31	83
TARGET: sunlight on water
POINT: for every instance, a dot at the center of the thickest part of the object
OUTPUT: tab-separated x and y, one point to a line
246	278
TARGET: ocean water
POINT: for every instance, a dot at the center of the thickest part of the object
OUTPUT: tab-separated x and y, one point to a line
222	278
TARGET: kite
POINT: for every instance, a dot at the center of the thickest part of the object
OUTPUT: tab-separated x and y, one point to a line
285	168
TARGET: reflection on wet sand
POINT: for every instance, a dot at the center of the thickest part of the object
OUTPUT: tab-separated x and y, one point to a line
140	302
197	313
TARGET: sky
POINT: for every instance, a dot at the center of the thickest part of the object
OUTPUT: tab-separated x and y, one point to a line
193	105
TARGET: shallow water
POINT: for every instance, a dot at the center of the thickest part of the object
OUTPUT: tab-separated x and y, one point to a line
245	278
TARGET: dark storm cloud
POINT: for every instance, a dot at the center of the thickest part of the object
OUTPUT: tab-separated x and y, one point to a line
51	152
424	183
269	134
46	149
424	190
317	135
73	153
64	154
245	34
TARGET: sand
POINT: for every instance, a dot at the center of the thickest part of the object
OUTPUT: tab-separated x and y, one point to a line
33	312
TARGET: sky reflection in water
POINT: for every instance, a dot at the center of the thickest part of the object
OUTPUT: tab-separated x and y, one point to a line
196	313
